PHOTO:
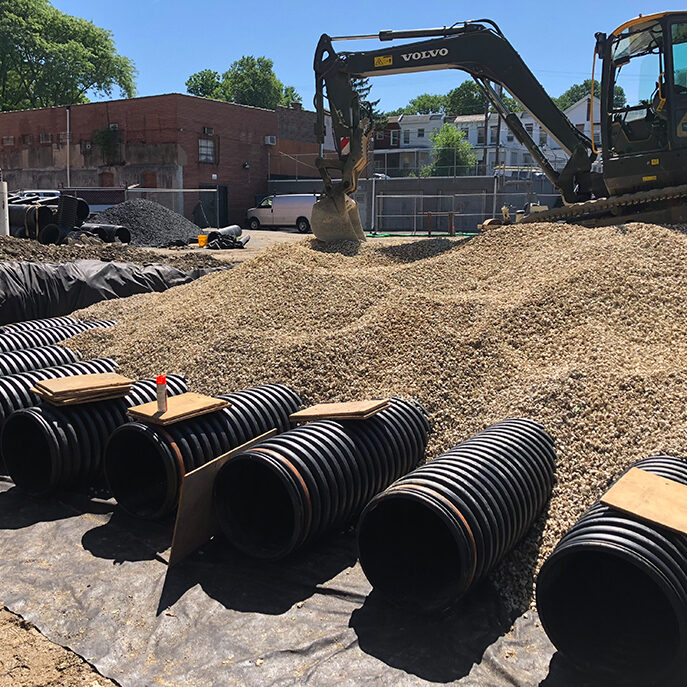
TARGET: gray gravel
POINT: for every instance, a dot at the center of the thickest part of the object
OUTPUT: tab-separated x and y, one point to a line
582	330
150	224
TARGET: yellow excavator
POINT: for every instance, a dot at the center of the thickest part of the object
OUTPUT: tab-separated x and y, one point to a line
643	147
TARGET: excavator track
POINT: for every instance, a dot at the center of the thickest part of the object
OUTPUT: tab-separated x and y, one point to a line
602	210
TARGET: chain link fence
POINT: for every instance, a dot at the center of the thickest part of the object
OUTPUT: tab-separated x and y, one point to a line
198	205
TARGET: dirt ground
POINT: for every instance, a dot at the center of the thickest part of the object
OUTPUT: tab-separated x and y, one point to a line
27	658
259	241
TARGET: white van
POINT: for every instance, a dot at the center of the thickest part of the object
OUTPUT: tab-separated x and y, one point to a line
292	210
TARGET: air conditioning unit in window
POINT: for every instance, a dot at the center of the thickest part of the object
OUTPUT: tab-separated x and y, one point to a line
208	131
271	140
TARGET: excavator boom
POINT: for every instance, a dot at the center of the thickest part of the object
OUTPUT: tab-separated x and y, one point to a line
478	48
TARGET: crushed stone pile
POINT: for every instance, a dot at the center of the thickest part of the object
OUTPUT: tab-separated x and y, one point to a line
150	224
13	249
580	329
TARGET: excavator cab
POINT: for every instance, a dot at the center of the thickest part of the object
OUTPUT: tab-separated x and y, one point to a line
646	136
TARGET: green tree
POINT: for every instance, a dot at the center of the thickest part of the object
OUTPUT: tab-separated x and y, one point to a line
451	153
465	99
252	81
289	96
248	81
49	58
205	83
582	90
368	108
425	103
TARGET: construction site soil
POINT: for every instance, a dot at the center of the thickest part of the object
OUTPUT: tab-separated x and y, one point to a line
580	329
13	249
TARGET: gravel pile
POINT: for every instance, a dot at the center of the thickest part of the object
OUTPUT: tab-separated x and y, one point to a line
150	224
12	249
580	329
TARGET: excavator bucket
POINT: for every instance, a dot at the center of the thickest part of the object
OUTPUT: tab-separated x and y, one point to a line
335	218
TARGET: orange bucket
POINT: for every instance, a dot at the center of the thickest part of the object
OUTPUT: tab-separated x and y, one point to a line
202	240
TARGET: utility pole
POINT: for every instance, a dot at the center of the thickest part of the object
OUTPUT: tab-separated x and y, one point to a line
69	140
486	131
498	129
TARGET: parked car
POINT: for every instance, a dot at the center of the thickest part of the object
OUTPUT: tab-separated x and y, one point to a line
292	210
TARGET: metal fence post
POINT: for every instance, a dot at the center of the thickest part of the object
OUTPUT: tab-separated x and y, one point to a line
429	223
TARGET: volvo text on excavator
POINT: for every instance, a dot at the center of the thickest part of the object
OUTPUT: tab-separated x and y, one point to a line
642	145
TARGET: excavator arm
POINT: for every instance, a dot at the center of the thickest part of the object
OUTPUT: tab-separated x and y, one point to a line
478	48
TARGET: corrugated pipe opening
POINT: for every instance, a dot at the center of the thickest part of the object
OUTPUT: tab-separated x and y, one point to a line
612	596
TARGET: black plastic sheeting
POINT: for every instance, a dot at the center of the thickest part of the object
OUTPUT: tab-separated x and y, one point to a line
30	290
96	582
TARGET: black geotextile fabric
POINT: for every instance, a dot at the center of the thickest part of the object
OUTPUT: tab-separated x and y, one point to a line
95	581
31	290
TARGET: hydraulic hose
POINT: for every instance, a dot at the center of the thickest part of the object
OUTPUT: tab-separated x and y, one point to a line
144	463
292	489
612	597
427	539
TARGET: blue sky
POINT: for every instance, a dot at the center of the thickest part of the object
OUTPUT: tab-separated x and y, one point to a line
170	39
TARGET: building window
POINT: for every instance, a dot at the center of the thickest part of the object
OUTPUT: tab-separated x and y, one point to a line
580	127
529	128
480	135
543	137
64	137
379	136
394	137
406	136
514	158
526	159
46	138
27	139
8	140
465	130
420	133
114	126
206	150
492	134
509	136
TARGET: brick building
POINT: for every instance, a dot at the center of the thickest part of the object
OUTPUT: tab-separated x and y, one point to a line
163	141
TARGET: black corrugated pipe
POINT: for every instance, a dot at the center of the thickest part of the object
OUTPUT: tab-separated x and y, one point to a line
15	390
67	209
435	532
612	597
291	489
18	340
108	232
51	234
36	358
233	230
31	217
144	463
48	448
46	323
